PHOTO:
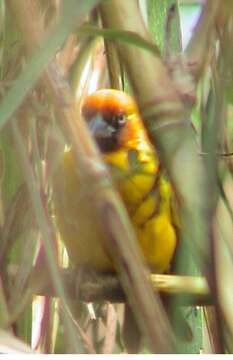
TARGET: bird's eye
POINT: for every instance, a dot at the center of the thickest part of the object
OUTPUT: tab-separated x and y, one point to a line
118	120
121	119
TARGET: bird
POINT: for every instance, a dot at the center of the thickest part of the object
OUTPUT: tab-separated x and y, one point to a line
114	121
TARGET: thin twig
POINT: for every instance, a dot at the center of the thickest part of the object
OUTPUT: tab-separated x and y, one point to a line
111	327
86	340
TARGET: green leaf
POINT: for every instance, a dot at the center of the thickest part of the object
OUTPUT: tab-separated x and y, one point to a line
125	36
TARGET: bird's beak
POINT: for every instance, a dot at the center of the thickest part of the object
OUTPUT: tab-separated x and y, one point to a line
99	128
103	133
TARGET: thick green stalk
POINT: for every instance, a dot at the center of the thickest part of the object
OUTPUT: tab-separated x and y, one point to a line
168	125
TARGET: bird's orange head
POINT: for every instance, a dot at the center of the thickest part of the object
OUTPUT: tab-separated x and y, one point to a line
113	119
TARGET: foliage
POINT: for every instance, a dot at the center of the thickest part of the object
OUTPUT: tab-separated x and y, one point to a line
52	55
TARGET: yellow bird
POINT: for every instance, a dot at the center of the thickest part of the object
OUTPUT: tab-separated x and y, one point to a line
115	123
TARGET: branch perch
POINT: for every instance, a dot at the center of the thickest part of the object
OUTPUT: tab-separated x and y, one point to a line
192	290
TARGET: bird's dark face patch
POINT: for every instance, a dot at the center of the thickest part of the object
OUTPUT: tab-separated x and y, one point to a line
106	129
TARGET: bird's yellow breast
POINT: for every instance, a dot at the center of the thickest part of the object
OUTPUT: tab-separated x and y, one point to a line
146	195
133	177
